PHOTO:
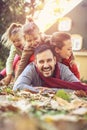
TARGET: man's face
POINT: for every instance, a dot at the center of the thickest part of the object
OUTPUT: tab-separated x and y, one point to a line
45	62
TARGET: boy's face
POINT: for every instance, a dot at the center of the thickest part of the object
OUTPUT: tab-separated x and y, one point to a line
32	39
45	62
66	50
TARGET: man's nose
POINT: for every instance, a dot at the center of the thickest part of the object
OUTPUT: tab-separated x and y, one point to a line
45	64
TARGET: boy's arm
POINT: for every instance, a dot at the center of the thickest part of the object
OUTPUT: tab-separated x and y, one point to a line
26	54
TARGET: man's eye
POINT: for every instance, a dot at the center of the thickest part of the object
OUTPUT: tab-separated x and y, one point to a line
49	60
41	62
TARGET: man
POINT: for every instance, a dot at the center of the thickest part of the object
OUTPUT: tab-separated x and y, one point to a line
46	72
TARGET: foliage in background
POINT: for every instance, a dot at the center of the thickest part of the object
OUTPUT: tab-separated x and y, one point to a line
10	11
3	56
14	11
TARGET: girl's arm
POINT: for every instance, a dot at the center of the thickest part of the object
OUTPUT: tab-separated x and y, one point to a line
9	66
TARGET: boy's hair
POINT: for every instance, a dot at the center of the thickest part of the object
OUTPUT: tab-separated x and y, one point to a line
29	27
43	47
58	39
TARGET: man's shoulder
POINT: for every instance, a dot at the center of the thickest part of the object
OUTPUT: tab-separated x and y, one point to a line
61	65
30	68
31	65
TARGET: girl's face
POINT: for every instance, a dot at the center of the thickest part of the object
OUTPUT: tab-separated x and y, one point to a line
66	50
17	40
33	39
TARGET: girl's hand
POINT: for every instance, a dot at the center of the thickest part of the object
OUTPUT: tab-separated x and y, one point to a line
72	62
6	80
80	93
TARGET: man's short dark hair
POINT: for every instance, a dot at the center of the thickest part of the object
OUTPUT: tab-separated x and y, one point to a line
42	48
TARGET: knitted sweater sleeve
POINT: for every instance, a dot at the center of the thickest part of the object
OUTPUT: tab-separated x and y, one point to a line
26	54
10	59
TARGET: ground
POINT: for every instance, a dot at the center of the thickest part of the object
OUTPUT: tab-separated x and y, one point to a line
42	111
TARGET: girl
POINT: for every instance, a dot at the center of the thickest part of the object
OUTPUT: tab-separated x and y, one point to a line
62	44
16	41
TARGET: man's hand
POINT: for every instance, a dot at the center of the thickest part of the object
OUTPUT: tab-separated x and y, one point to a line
41	90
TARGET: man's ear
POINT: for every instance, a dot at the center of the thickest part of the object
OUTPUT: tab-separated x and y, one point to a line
57	49
55	59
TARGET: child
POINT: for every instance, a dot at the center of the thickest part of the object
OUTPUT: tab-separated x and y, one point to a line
62	44
33	38
16	41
